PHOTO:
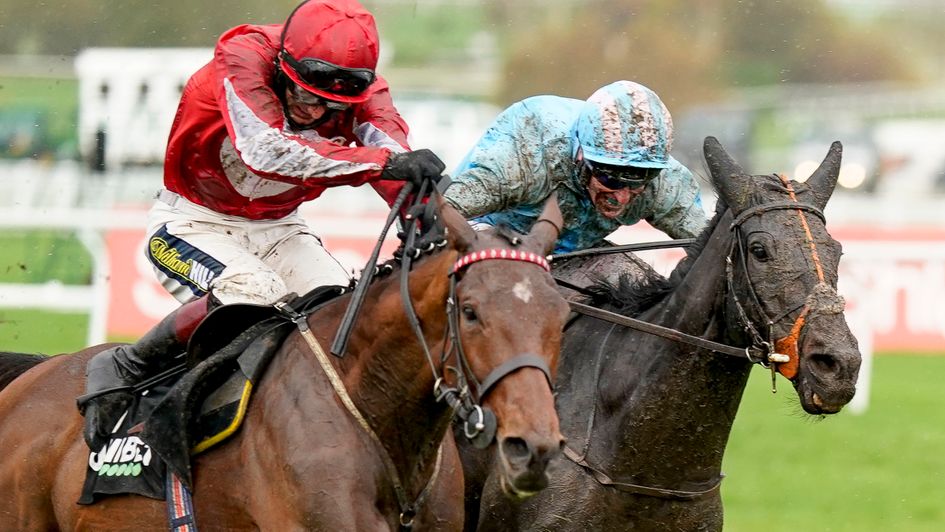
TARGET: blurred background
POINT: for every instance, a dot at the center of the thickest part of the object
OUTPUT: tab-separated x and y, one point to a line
88	90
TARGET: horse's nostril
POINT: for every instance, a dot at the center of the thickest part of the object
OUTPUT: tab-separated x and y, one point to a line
515	449
824	363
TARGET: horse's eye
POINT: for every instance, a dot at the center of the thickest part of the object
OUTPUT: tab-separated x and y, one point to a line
759	251
469	313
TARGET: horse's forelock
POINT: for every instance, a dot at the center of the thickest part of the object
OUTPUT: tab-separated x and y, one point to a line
508	234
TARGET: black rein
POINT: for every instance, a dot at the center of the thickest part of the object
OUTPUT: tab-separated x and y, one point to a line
640	325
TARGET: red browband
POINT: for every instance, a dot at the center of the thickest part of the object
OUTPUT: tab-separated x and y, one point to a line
503	254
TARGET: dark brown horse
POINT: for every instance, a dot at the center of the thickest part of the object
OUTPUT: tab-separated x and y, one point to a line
647	418
303	461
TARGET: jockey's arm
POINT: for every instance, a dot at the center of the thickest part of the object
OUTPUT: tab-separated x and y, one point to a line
677	209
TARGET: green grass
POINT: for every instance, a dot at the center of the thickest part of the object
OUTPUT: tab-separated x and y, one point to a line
881	470
39	256
40	331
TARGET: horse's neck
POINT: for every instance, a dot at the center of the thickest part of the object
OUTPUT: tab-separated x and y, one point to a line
671	424
389	376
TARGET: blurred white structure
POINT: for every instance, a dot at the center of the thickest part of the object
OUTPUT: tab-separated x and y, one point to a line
447	126
127	101
915	154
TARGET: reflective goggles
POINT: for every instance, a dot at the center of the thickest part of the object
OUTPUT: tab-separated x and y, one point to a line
304	97
328	77
619	177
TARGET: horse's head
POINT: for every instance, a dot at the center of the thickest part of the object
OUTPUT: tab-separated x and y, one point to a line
508	318
783	276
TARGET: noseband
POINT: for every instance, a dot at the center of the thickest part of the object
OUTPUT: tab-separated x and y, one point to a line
782	353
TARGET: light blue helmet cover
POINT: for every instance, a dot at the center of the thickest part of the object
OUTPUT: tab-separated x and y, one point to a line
624	124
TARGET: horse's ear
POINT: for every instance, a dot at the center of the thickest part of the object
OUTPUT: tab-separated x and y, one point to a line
730	180
824	179
547	227
458	231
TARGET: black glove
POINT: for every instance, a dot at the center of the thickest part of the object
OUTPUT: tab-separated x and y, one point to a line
414	166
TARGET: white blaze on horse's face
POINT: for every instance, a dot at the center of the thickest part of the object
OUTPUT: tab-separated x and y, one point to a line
523	290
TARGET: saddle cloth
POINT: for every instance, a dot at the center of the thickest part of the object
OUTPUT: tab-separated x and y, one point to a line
186	414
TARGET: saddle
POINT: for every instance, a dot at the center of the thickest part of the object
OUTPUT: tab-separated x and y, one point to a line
576	274
185	413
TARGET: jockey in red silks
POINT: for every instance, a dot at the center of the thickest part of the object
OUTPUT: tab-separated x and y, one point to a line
281	113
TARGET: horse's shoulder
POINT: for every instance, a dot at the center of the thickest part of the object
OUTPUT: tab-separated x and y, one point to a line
54	371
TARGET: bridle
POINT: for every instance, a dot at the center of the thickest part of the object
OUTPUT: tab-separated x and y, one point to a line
479	424
466	397
779	355
782	352
468	393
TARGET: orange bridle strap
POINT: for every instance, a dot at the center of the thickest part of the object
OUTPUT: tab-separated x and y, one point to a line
788	344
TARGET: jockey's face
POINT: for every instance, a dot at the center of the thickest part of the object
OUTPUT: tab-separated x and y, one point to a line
613	188
610	202
305	108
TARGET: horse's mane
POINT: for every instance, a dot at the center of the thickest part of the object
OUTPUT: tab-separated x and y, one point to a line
12	365
633	294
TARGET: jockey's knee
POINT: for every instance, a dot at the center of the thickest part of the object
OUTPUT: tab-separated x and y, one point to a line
258	287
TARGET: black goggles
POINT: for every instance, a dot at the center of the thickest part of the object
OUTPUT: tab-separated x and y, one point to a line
304	97
331	78
619	177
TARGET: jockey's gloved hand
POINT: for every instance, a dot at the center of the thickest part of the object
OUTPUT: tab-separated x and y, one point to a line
414	166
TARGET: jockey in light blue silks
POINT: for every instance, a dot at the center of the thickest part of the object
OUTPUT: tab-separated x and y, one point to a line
607	158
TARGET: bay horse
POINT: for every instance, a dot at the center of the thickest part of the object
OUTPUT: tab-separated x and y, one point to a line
303	461
647	418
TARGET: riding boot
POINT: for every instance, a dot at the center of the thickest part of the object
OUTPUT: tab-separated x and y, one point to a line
124	366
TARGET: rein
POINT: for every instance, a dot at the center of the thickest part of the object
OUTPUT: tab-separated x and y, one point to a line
781	354
603	478
640	325
638	489
479	423
340	342
408	509
665	332
640	246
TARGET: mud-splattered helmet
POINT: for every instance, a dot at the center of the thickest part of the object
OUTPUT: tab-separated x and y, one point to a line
624	124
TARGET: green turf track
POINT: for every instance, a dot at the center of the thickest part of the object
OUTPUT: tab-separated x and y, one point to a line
38	331
883	470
